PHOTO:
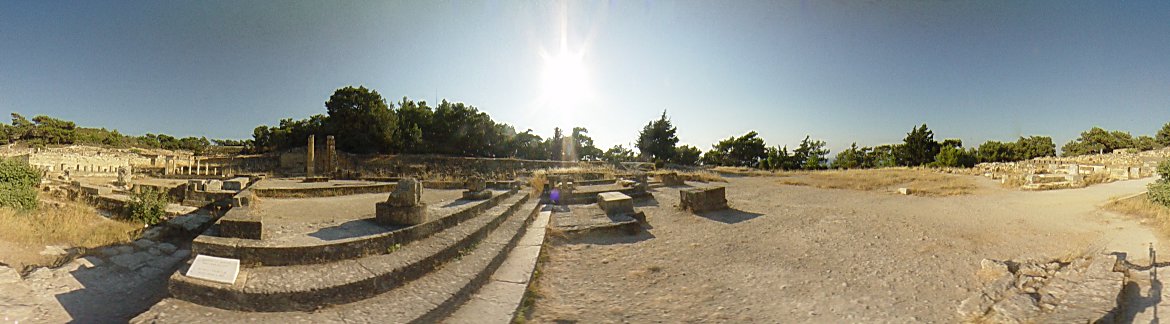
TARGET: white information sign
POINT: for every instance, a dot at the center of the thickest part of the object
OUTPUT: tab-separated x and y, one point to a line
215	269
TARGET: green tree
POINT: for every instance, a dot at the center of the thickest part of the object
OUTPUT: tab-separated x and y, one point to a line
949	156
1163	136
919	147
1145	143
657	140
1097	140
585	149
617	153
361	119
413	119
811	154
1031	147
746	150
995	151
687	155
884	156
853	158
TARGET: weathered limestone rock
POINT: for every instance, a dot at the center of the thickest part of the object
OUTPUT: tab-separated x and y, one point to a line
476	189
405	206
8	275
703	199
904	191
214	185
672	179
615	203
1045	291
407	193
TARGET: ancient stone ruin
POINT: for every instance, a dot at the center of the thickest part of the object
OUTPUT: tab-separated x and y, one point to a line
702	199
1081	290
405	206
672	179
476	189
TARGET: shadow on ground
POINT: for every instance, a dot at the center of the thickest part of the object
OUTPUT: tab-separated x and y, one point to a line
609	238
353	228
729	216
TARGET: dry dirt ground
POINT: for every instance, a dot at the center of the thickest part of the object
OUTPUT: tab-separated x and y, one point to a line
801	254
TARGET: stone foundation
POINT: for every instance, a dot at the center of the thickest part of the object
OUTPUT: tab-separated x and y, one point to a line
387	214
672	179
477	195
703	199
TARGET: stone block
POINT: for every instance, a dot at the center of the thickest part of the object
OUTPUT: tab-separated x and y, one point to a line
236	184
386	213
214	185
241	224
614	203
703	199
197	185
672	179
477	195
476	184
904	191
408	193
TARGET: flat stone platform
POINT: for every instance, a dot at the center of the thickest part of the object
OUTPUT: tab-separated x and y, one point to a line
585	219
302	221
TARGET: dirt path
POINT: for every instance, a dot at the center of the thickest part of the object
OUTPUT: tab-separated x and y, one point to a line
799	254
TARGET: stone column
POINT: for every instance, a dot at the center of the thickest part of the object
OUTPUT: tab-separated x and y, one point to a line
309	162
330	155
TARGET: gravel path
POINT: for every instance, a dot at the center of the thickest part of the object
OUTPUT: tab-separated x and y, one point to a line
800	254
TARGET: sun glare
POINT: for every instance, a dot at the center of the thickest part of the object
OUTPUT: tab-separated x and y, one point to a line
565	81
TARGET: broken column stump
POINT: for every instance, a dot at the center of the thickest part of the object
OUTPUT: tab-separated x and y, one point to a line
701	199
476	189
405	206
672	179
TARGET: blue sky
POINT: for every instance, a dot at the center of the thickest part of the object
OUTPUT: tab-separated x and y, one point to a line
840	71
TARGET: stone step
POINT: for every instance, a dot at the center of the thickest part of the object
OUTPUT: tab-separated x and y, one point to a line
252	253
499	299
308	287
425	300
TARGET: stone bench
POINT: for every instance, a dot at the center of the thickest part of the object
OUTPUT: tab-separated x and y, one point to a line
701	199
615	203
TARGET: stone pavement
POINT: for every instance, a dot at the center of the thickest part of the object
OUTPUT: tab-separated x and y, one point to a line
499	299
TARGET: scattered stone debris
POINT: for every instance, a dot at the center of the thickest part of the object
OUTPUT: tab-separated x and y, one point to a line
1082	290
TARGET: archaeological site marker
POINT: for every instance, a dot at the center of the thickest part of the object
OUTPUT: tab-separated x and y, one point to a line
216	269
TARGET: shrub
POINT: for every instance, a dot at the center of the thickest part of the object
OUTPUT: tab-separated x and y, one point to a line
18	182
148	206
1159	191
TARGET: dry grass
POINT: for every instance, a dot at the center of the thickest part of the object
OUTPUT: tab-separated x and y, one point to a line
74	224
696	175
920	182
1141	207
750	172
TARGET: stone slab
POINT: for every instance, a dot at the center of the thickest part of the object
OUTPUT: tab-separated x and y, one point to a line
222	270
131	261
703	199
614	203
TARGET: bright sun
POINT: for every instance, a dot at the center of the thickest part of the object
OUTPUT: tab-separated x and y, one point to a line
565	83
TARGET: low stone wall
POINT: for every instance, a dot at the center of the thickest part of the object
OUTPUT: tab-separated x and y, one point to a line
258	252
323	191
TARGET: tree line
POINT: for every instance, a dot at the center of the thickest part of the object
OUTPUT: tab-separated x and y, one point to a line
43	130
364	123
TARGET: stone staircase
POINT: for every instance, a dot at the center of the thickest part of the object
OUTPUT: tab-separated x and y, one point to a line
417	279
